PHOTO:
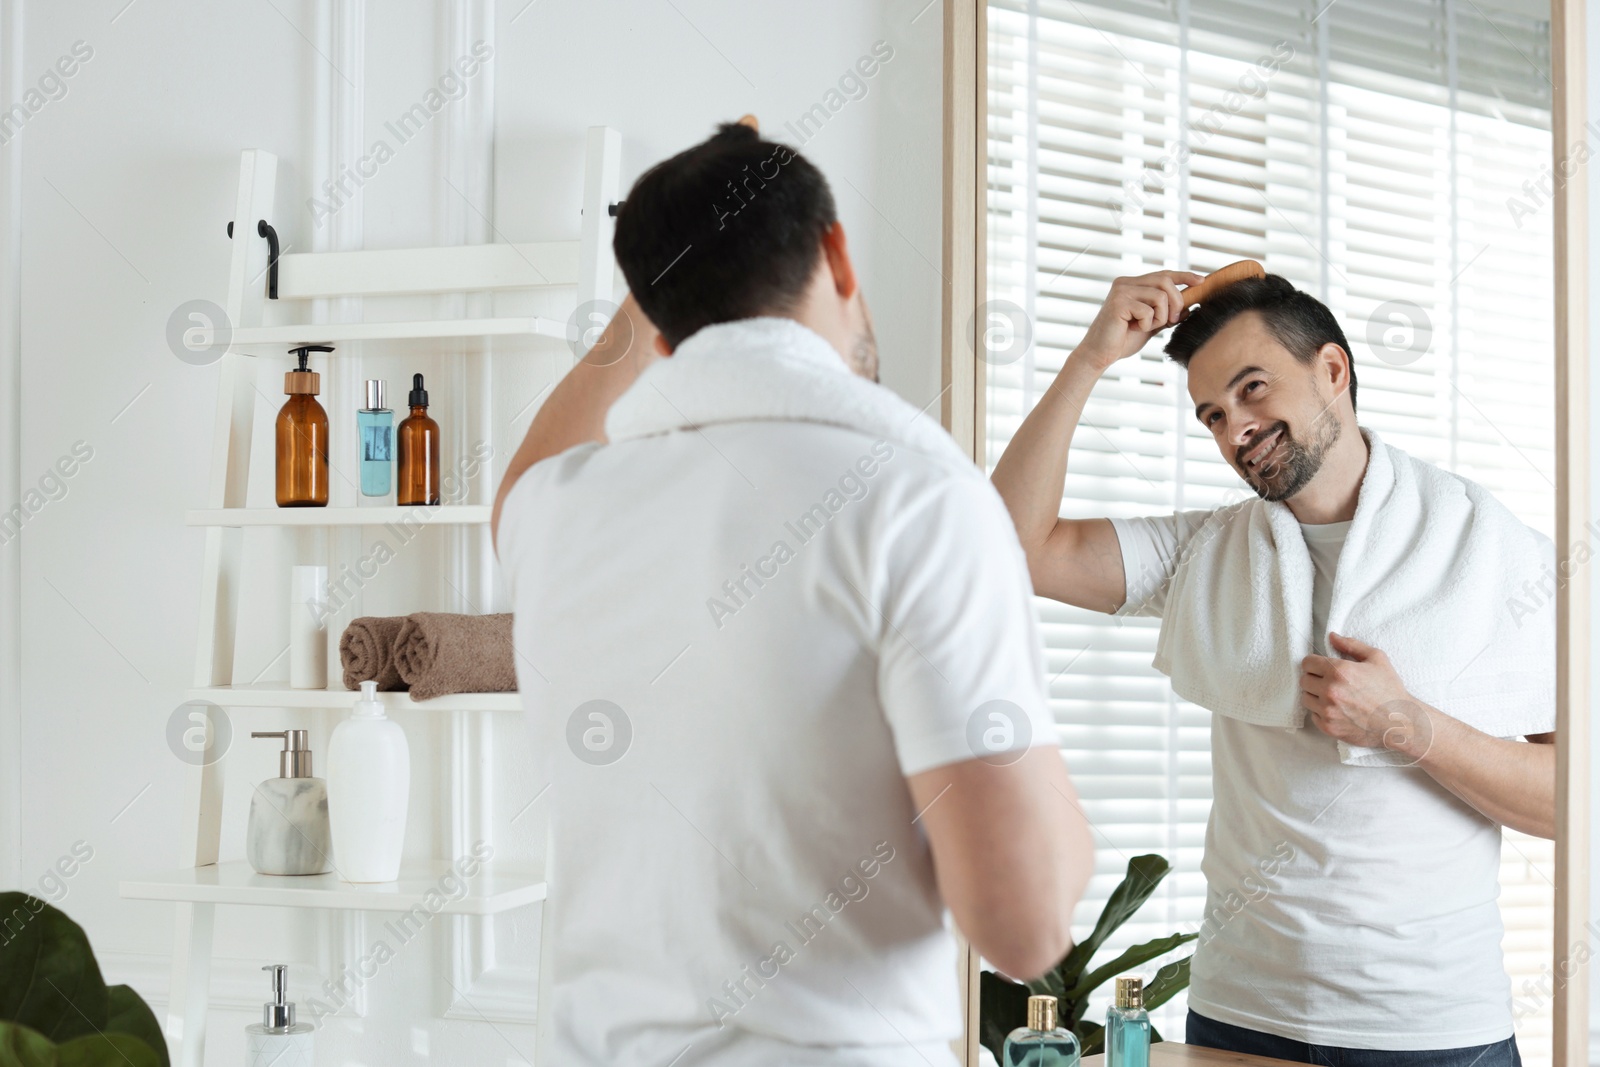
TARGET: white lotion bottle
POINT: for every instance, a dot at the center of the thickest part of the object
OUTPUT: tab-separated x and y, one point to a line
369	787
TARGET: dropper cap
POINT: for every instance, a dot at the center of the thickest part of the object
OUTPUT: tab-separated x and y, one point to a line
369	706
419	395
304	380
278	1013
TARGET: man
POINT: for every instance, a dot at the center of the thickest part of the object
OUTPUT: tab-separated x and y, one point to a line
777	649
1349	631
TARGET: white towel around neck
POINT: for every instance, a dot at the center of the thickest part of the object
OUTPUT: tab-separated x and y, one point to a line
769	368
1433	572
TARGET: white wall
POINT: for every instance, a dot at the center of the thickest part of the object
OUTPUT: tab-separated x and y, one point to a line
125	185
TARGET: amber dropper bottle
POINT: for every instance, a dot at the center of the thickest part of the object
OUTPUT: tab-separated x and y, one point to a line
417	438
303	438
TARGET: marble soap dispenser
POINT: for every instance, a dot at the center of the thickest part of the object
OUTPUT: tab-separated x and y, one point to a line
288	829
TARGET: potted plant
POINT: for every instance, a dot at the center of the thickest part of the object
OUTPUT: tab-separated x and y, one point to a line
1003	1004
55	1009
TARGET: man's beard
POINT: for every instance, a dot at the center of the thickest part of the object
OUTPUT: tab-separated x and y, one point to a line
864	353
1292	465
864	358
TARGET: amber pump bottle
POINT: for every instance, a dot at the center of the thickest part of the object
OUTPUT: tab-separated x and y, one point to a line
303	437
417	440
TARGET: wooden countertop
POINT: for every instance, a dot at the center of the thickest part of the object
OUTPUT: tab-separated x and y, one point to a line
1177	1054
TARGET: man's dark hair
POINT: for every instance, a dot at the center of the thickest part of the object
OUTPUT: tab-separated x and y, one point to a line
1298	321
729	229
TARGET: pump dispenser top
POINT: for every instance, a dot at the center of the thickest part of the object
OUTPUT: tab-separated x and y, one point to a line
369	706
278	1041
278	1013
304	380
295	759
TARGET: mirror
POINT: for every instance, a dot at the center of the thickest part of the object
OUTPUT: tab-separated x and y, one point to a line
1391	161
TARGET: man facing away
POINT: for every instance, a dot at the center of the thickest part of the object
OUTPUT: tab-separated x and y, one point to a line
1354	633
776	646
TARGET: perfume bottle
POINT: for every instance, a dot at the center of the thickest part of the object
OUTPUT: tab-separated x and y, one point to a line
375	423
277	1040
418	451
1128	1026
1041	1043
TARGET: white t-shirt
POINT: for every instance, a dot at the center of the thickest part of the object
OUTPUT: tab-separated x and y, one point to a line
791	618
1346	906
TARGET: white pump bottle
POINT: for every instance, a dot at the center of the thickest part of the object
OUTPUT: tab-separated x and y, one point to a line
369	787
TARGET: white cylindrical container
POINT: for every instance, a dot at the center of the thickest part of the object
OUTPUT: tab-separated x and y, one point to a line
308	628
369	786
279	1048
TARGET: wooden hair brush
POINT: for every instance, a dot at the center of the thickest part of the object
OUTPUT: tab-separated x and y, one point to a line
1220	279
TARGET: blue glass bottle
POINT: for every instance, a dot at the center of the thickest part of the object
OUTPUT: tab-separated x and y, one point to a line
375	424
1041	1043
1128	1026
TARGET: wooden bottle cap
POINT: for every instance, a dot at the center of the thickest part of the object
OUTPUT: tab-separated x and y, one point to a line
302	381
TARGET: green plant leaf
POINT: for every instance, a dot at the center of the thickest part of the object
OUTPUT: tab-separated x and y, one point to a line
1091	1036
49	980
22	1046
1155	1036
1168	983
106	1050
1144	874
1002	1007
130	1015
1048	984
1130	958
1003	1004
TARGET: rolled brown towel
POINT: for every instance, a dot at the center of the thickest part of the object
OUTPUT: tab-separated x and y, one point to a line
439	653
366	651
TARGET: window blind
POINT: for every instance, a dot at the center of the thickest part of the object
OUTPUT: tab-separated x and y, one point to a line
1368	150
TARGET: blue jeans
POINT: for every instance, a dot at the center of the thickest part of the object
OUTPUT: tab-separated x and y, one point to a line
1208	1033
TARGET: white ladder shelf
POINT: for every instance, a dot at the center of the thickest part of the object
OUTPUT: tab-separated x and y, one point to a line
585	266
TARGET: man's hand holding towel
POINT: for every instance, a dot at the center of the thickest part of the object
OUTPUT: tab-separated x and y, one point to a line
1360	700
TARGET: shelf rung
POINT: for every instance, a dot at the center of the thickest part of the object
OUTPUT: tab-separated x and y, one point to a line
409	516
278	695
490	892
445	269
249	339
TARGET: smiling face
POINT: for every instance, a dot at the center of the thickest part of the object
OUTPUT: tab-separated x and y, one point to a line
1273	417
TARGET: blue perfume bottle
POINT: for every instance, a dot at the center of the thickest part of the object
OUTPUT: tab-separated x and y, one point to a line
1128	1026
1041	1043
375	424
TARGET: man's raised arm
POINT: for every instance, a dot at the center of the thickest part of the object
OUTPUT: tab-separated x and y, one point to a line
1078	561
576	410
